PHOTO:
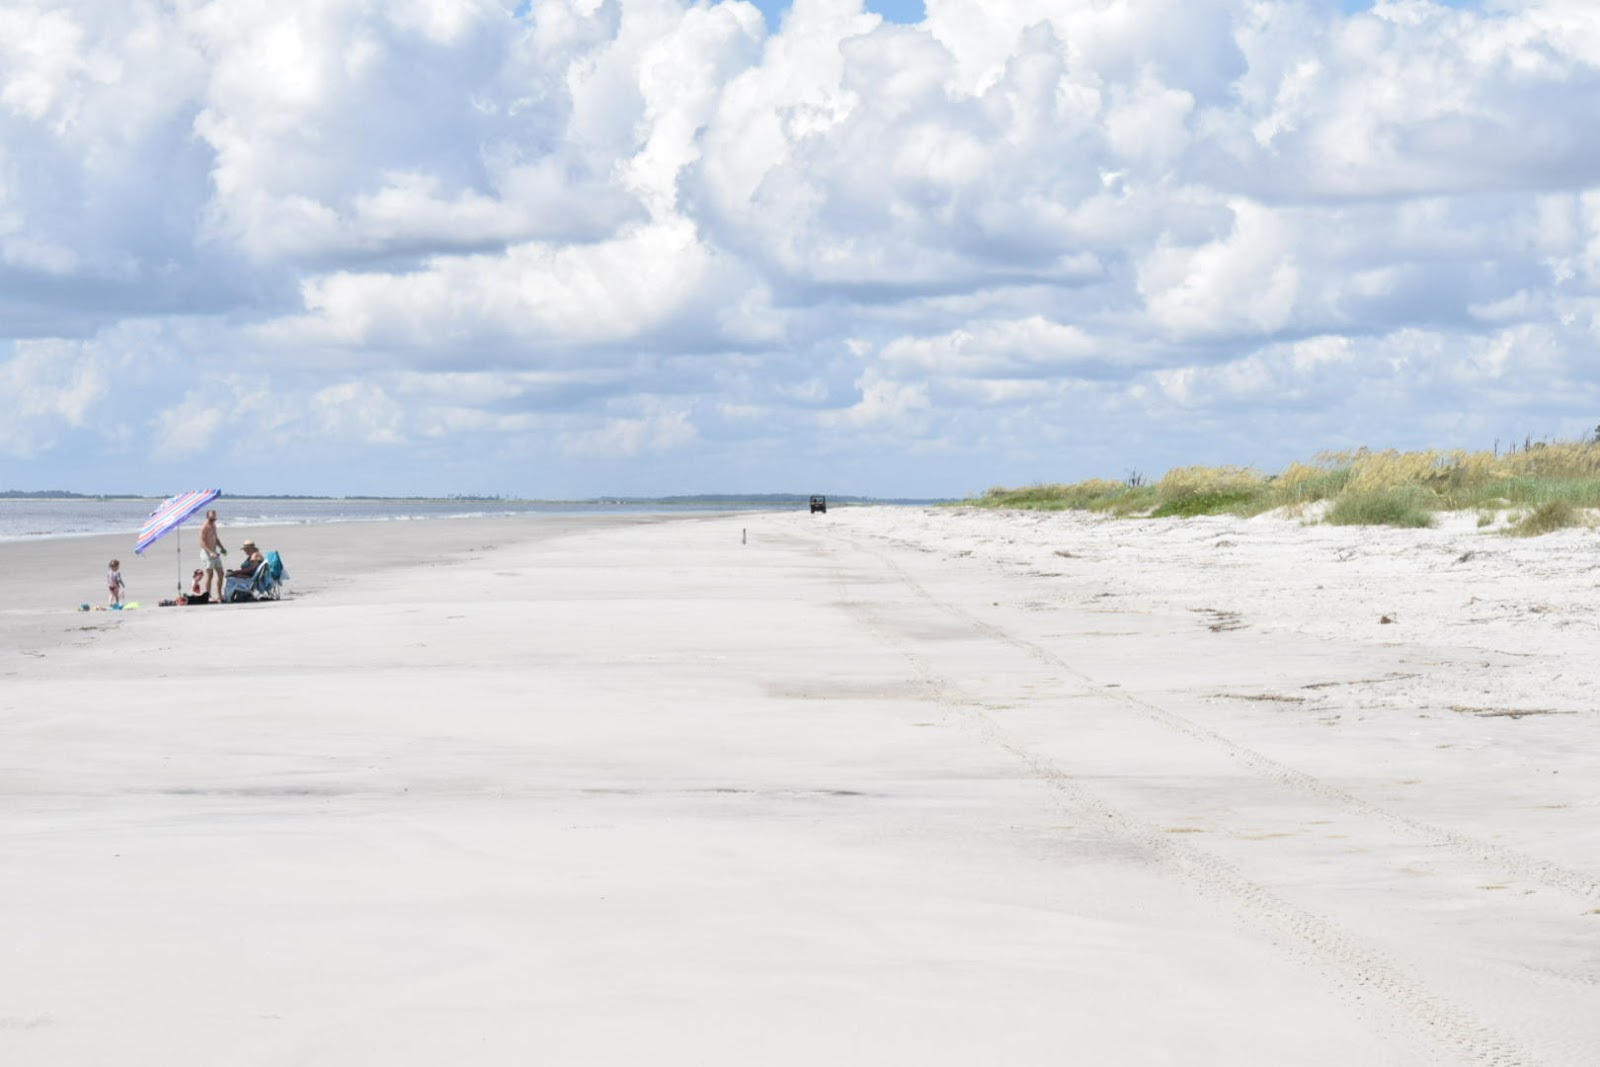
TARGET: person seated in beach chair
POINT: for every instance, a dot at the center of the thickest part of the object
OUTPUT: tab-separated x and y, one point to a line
258	578
252	560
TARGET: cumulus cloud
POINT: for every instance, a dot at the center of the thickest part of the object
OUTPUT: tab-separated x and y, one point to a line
50	389
658	237
658	430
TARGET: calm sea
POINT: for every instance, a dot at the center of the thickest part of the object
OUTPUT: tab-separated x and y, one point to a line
24	520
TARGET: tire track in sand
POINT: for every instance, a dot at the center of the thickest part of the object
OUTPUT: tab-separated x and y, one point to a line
1503	862
1356	969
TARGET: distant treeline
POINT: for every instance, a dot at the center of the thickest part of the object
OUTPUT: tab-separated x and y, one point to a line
62	494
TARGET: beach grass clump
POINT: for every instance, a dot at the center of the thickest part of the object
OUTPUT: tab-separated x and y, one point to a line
1548	517
1530	490
1222	502
1131	500
1565	460
1359	486
1442	473
1185	492
1403	506
1304	483
1096	494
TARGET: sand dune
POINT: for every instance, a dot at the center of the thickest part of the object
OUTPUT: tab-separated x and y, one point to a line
877	786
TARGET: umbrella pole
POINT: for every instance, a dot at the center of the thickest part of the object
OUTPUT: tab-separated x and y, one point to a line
180	565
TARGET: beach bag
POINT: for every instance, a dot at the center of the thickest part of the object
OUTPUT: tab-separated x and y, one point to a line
242	596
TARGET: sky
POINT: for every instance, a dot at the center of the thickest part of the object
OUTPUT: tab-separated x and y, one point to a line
576	248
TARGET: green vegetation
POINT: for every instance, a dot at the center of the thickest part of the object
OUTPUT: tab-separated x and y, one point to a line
1185	492
1097	494
1553	481
1219	502
1548	517
1403	507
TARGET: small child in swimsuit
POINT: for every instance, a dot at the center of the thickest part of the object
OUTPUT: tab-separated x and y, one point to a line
114	583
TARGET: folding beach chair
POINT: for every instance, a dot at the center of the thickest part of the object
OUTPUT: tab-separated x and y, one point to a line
274	577
265	584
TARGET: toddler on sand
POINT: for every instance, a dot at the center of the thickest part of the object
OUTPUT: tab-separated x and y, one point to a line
114	583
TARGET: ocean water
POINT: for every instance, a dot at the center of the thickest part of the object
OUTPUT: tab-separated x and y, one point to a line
25	520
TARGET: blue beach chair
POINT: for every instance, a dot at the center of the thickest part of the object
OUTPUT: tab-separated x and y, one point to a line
265	584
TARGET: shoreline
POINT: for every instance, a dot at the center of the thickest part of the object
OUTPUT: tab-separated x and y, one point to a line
90	518
316	554
883	785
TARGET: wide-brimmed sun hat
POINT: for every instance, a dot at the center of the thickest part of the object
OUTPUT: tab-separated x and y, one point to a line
248	544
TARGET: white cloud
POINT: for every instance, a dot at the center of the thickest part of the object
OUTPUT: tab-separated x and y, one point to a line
885	406
652	231
359	412
1247	282
630	437
1026	348
542	297
193	427
44	55
1330	372
49	386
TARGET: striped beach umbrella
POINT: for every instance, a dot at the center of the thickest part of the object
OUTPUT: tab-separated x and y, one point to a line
169	516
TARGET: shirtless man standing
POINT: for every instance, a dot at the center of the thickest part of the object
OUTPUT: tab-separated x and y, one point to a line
212	551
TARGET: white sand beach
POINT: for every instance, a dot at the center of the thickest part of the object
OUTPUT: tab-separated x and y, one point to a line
884	785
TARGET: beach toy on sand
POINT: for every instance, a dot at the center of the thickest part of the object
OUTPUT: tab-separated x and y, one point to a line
83	607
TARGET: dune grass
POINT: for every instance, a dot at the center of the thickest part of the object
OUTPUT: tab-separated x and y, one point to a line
1548	517
1404	507
1555	481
